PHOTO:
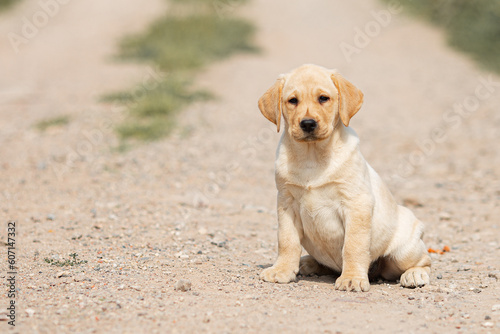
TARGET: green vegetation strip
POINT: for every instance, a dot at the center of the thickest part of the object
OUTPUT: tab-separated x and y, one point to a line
52	122
193	34
5	3
71	262
473	26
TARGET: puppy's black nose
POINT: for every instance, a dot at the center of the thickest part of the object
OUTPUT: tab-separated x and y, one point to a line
308	125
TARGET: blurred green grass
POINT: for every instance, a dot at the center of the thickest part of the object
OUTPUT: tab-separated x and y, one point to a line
473	26
6	3
193	34
175	43
152	111
45	124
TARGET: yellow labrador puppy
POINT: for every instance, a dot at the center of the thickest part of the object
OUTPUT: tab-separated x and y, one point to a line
330	201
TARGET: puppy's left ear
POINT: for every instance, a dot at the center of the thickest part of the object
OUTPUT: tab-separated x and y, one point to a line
350	98
270	102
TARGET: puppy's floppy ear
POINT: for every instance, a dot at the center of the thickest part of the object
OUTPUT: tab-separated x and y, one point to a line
350	98
270	103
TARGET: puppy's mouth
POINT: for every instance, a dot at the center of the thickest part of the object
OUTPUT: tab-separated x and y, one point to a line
309	137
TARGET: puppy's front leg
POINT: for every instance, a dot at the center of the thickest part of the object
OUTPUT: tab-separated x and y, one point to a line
356	252
286	266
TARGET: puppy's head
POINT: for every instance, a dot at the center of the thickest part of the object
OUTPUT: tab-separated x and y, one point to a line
312	100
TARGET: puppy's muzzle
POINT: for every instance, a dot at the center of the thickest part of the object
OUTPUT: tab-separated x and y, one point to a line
308	125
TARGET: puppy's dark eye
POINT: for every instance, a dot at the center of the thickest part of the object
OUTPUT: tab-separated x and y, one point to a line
293	100
323	99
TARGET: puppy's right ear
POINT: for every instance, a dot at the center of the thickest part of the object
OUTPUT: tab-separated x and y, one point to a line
270	103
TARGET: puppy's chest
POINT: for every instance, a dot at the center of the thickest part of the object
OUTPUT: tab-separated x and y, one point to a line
320	211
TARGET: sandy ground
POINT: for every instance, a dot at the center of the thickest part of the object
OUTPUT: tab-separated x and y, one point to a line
200	205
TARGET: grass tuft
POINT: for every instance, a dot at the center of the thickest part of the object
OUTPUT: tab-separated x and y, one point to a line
52	122
152	112
185	43
191	36
71	262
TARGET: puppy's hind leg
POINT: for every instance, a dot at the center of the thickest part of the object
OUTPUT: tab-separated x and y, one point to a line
410	260
418	275
309	266
414	276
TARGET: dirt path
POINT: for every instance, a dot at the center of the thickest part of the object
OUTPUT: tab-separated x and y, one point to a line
201	204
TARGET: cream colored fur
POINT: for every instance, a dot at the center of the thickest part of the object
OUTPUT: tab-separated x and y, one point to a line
330	201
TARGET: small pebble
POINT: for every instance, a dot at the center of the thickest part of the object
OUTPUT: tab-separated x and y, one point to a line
30	312
439	276
464	268
495	307
476	237
219	242
4	316
183	285
206	319
487	317
487	324
63	274
494	274
445	216
80	278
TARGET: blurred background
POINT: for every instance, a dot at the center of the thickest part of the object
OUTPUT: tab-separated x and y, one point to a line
130	136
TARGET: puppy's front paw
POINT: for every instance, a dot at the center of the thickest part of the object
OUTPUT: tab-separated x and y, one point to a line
415	277
352	283
278	275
